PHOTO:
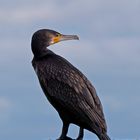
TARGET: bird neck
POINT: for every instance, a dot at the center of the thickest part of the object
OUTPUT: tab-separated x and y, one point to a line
41	54
39	50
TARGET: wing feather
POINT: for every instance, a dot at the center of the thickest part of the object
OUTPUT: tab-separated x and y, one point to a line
69	86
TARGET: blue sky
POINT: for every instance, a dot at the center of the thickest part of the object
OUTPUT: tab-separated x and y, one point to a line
108	54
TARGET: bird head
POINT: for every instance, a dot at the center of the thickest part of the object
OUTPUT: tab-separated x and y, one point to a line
43	38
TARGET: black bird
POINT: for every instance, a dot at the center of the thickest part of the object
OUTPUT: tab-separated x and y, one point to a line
66	88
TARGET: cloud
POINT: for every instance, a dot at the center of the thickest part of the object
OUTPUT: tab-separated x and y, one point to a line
4	104
108	53
93	12
5	109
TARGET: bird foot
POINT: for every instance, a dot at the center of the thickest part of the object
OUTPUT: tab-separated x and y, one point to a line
66	138
79	139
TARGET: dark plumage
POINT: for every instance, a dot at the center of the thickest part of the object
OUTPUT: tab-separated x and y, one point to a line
66	88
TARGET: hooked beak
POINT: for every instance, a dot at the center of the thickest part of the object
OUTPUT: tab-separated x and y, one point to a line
64	38
69	37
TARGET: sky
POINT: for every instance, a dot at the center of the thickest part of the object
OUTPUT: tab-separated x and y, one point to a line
108	53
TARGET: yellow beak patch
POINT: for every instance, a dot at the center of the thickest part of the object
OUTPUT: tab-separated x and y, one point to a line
56	39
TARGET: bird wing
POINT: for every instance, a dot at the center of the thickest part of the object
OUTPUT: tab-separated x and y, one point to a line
69	86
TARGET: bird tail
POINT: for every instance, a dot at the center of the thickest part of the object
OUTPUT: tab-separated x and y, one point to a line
104	137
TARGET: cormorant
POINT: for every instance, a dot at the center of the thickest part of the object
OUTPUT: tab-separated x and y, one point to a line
66	88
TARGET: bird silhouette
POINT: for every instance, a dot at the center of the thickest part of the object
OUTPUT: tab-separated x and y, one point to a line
66	88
